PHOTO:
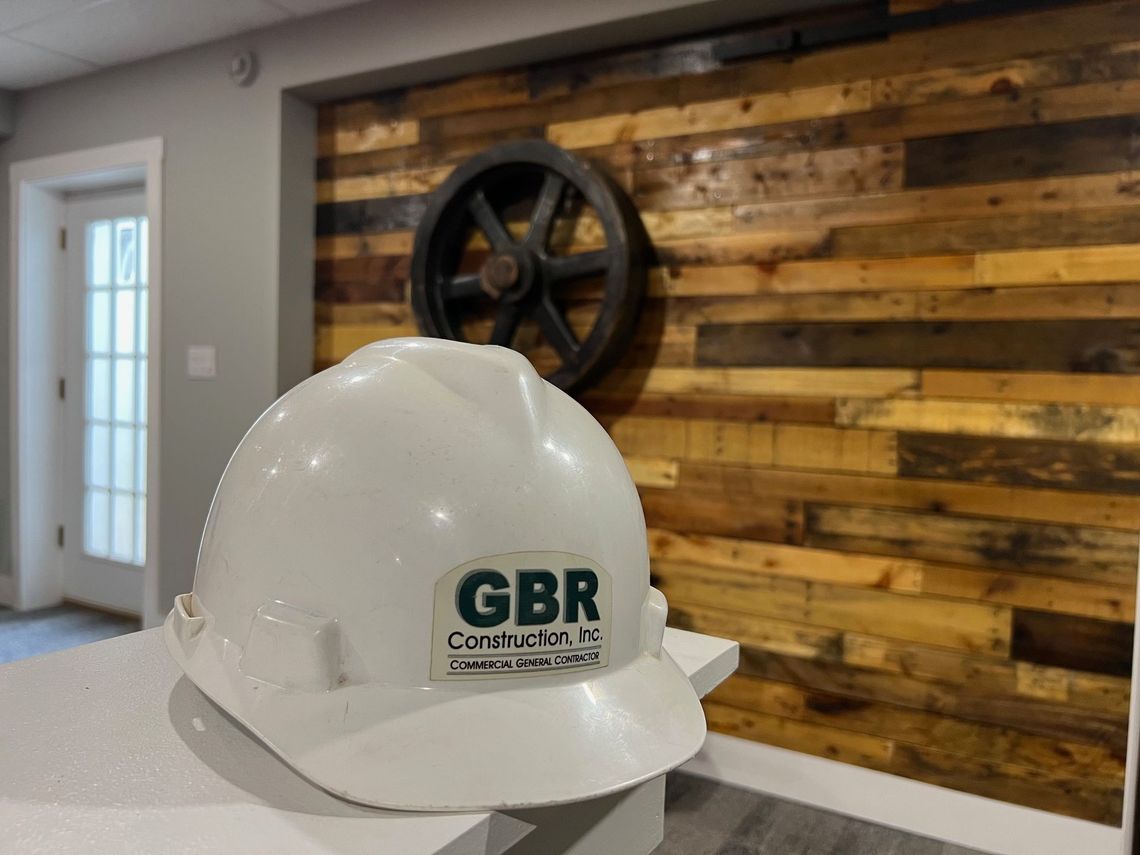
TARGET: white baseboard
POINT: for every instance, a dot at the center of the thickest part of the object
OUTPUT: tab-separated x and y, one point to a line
978	823
7	590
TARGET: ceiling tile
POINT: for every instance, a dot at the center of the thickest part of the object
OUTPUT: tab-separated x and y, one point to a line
117	31
23	65
314	7
17	13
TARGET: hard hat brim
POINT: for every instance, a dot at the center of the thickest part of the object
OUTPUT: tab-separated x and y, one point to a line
455	749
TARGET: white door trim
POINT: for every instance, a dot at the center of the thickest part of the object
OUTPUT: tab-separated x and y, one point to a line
37	577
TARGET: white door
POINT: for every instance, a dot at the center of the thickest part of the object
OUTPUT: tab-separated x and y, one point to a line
103	391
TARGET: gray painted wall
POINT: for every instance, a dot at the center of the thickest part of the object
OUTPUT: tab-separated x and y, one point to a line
238	194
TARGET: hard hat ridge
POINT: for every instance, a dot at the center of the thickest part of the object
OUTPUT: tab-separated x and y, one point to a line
496	382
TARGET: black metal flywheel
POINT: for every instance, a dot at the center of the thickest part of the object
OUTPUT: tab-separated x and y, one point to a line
526	244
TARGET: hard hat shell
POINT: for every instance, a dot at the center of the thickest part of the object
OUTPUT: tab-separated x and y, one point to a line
375	532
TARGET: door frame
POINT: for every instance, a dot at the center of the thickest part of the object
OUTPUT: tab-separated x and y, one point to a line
37	190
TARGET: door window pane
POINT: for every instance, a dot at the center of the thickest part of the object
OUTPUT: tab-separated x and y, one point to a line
125	321
125	255
115	440
98	321
99	254
122	526
97	522
99	389
99	456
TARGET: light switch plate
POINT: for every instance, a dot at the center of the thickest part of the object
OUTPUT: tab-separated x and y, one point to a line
202	362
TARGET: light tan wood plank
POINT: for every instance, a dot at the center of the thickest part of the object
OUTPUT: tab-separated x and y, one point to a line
1025	386
812	382
1044	421
721	115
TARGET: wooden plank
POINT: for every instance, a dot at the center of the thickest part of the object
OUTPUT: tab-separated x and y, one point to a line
1096	63
1113	225
844	746
1113	263
1029	303
1107	346
1035	505
334	343
1079	797
425	153
826	276
777	520
1084	553
751	247
371	215
473	92
1029	715
1076	797
968	673
350	246
939	204
1041	387
388	133
757	408
1030	421
846	306
726	114
368	279
1104	144
951	623
821	276
382	185
755	443
652	471
1066	641
1028	463
809	382
738	442
835	449
851	171
918	727
1062	596
668	548
764	633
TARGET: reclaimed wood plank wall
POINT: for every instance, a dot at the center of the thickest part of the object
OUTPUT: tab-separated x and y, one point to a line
884	401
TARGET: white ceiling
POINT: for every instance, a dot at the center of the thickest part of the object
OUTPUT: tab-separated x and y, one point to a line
42	41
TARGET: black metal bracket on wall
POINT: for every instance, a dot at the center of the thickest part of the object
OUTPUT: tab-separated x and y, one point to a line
876	23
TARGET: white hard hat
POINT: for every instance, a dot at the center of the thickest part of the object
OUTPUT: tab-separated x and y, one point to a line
424	583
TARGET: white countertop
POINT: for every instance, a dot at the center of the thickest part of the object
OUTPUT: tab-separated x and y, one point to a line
108	748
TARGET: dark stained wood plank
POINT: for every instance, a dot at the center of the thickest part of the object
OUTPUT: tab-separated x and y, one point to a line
371	215
844	171
1074	552
365	279
1068	641
1111	347
746	408
1030	463
1107	144
777	519
1029	231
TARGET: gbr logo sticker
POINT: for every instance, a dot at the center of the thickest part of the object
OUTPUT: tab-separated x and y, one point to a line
521	614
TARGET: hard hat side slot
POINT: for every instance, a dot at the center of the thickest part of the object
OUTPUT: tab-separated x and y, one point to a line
654	612
292	648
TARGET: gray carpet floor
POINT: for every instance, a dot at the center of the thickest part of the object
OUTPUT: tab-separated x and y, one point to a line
24	634
706	818
701	817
